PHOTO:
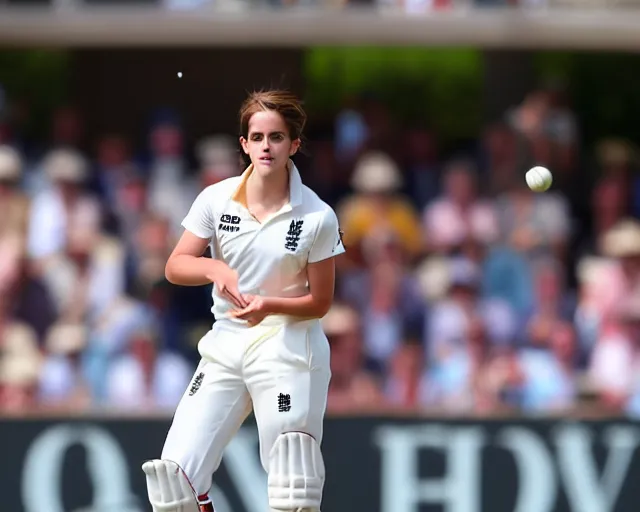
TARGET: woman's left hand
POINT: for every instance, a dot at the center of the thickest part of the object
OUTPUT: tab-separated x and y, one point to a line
255	312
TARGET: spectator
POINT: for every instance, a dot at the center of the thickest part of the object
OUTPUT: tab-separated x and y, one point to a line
608	282
153	244
63	384
459	214
376	205
145	377
553	303
534	224
450	319
453	381
352	132
386	297
24	296
549	367
403	384
170	191
609	205
87	276
14	205
218	157
503	155
351	388
67	128
615	362
66	206
113	166
20	363
422	166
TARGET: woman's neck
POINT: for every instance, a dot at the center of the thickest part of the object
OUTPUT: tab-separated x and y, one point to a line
269	192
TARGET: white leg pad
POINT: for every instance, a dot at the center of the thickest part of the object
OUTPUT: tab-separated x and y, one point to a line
168	487
296	474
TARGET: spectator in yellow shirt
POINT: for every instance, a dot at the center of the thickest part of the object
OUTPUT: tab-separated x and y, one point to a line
376	204
14	204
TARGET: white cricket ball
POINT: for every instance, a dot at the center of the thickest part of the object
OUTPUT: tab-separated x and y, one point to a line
539	179
179	74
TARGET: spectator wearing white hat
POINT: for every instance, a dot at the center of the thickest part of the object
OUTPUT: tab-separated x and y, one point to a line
218	158
87	277
62	383
62	208
614	371
609	284
20	363
377	204
619	276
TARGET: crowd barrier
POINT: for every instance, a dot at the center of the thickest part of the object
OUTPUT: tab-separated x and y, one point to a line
373	464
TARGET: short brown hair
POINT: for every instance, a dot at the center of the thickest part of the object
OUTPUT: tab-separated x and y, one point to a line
283	102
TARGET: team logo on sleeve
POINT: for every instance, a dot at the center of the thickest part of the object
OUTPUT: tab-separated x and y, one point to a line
293	235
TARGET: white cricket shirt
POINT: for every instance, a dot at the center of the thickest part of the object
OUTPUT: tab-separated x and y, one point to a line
270	257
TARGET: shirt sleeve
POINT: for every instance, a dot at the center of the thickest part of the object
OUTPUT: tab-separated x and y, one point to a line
328	241
200	219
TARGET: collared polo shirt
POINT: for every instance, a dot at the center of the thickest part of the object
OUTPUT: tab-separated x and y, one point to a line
270	257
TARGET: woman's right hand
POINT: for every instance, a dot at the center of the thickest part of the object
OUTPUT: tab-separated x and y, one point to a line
226	281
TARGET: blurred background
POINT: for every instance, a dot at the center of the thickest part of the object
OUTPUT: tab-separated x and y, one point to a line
485	339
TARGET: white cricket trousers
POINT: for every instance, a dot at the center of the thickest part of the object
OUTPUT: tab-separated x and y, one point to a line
280	368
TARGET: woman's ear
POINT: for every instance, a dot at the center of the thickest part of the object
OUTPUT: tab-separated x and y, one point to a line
243	143
295	146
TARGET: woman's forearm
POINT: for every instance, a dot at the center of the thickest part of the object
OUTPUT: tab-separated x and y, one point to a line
187	270
306	306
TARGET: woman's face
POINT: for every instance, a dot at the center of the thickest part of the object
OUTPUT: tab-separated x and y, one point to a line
268	143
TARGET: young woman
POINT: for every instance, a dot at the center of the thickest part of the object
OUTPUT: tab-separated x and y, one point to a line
273	243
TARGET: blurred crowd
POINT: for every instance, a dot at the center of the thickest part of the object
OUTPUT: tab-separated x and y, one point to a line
462	292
